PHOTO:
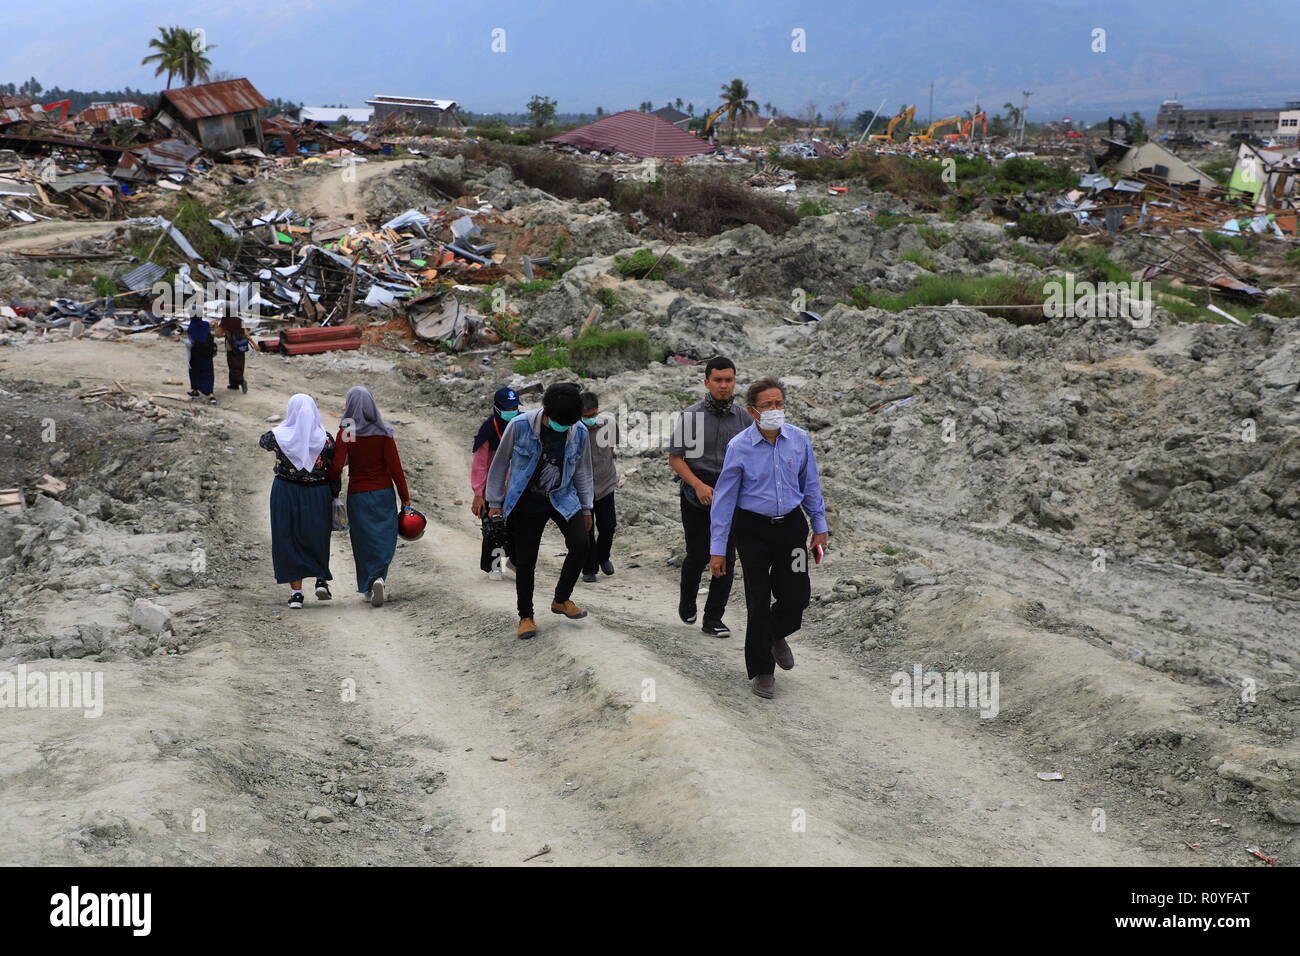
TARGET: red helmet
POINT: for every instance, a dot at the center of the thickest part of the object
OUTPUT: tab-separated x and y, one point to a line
410	524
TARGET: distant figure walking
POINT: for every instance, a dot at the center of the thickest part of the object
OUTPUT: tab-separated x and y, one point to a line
366	447
541	473
494	554
202	347
237	346
301	496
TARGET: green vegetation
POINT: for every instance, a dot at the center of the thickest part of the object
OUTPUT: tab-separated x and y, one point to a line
888	220
933	237
55	273
1238	244
609	301
890	549
639	264
1026	254
920	258
1099	267
535	285
1220	170
105	287
1044	227
1293	256
812	207
542	357
943	290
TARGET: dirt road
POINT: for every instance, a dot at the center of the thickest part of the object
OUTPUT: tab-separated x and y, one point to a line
623	738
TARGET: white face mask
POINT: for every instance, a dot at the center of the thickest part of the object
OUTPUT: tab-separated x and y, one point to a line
771	419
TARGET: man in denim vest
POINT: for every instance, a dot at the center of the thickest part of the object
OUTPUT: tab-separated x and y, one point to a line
542	472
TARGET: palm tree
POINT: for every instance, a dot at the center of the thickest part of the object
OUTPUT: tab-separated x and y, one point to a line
735	99
1013	114
180	53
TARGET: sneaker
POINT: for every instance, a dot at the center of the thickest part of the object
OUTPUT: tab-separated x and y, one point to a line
322	590
589	578
212	399
568	609
369	595
232	387
295	600
716	629
496	575
527	628
687	618
243	387
607	567
377	594
510	565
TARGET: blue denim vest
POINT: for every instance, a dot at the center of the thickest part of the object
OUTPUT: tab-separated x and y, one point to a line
523	462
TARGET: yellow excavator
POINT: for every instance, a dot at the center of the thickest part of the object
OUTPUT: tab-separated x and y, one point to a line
928	135
905	116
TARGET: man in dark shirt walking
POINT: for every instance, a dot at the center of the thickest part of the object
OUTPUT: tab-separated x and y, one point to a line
695	455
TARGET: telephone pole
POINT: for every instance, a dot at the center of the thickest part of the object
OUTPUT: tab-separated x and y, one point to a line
930	116
1024	108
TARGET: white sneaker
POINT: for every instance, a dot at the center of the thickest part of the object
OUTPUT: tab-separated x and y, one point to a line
377	593
496	575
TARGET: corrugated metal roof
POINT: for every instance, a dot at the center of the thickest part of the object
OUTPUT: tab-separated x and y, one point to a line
142	277
215	99
412	101
109	112
639	134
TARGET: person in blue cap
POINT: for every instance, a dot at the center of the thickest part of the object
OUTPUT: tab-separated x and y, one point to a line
495	553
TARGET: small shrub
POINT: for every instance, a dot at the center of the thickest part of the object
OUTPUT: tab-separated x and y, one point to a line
811	207
639	264
105	287
541	358
934	238
1044	227
920	258
888	220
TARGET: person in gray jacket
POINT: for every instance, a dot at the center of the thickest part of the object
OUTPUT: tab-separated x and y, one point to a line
603	433
542	472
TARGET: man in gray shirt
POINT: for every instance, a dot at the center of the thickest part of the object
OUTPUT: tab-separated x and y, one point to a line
699	444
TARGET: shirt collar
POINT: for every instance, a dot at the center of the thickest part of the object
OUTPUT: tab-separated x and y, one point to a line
758	435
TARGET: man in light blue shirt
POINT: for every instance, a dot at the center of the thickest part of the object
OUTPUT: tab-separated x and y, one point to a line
769	480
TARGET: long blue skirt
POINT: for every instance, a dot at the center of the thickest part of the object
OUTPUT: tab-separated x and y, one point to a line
372	525
202	377
300	531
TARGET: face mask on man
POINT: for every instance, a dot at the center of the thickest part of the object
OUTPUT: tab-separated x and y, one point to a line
557	426
771	419
506	416
591	422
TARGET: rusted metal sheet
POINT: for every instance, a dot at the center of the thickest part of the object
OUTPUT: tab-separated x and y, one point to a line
110	113
215	99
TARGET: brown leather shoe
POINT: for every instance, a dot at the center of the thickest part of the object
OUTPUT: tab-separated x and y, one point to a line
781	651
527	628
568	609
764	685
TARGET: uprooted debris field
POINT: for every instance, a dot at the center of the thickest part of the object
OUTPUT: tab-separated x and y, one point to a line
1103	510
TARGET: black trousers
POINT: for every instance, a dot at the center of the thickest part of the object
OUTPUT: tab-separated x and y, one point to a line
526	529
777	589
492	554
604	522
235	363
695	523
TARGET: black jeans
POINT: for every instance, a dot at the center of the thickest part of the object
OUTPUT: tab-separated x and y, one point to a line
598	548
526	531
695	523
776	559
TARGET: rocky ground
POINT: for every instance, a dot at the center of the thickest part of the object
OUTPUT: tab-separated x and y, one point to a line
1102	515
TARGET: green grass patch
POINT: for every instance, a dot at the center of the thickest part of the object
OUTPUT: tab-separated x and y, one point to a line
1237	244
933	237
638	265
105	287
609	301
811	207
1099	267
1025	254
534	286
542	357
920	258
888	220
965	290
1042	226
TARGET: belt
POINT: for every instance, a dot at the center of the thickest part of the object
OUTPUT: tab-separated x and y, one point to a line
768	518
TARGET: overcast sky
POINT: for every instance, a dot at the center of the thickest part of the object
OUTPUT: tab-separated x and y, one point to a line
618	53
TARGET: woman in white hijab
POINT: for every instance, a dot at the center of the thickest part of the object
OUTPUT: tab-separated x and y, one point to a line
301	497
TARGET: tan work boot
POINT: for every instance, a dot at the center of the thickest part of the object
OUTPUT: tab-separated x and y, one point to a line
568	609
527	628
